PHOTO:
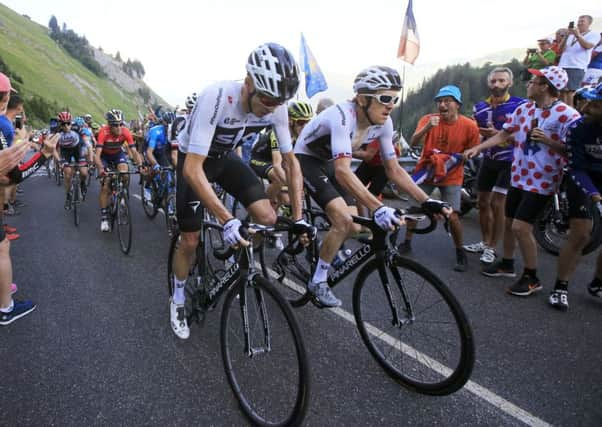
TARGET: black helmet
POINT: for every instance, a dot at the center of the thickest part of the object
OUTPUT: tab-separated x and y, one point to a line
274	71
114	117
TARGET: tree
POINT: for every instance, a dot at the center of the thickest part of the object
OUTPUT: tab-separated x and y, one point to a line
118	57
53	25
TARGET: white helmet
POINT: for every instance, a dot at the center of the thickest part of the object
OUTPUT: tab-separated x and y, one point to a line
376	78
274	71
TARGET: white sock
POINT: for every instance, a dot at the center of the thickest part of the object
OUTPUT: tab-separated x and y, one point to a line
321	273
9	308
179	297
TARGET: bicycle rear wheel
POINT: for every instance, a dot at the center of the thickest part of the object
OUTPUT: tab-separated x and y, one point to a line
124	224
171	220
267	369
413	326
75	198
148	205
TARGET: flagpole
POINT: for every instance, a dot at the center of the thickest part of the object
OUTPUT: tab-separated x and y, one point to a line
403	88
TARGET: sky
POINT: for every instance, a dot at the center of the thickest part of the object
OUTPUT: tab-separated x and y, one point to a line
185	45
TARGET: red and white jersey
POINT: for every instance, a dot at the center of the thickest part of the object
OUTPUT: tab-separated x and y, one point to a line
535	166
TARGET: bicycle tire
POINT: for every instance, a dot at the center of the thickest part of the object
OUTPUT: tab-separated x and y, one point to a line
75	199
551	240
124	224
149	207
281	324
370	299
171	220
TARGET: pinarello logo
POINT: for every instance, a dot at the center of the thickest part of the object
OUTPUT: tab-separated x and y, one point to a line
229	100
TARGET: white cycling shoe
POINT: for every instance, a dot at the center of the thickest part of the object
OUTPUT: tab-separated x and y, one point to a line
179	324
104	226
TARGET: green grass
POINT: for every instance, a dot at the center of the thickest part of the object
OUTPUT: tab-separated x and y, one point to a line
50	72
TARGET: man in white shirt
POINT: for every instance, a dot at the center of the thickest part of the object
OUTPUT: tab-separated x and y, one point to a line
576	54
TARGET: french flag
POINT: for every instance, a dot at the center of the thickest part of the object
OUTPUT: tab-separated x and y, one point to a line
409	42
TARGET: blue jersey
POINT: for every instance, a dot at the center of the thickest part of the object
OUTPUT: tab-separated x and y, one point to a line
157	138
584	146
7	132
484	113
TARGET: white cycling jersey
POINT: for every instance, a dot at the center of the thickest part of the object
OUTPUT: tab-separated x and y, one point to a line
333	134
218	123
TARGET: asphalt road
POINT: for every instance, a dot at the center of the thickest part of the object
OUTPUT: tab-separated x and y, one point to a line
99	349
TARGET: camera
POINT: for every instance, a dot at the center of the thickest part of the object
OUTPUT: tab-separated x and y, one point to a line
571	25
18	122
531	50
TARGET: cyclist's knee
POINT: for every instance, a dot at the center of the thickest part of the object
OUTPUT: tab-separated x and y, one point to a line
189	242
266	217
341	223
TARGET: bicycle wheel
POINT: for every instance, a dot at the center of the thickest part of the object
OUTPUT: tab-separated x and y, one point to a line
171	220
124	224
413	326
57	174
75	189
148	205
267	369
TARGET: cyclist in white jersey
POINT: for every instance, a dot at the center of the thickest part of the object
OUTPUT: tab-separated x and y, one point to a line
225	115
178	126
324	151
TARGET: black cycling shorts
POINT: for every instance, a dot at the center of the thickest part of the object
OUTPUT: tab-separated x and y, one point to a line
75	154
493	173
524	205
230	172
374	176
261	168
580	204
320	181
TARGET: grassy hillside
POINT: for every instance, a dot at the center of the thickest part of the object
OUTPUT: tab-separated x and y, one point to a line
51	73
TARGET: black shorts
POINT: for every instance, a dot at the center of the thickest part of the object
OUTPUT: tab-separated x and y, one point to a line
524	205
230	172
75	154
320	181
493	173
261	168
373	175
580	204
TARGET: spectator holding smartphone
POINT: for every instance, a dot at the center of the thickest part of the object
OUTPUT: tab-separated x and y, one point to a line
541	57
576	54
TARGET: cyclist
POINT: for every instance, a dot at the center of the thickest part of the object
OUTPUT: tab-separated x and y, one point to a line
584	146
156	147
72	150
324	151
178	125
266	160
110	154
224	115
86	137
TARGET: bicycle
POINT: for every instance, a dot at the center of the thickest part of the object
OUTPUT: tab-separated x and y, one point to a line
405	314
261	343
119	209
75	191
58	173
163	195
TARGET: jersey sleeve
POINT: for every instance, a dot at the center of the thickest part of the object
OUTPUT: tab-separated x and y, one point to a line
152	139
274	146
205	117
128	137
578	161
281	130
100	141
387	151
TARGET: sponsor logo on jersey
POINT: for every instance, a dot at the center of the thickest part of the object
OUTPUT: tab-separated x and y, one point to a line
343	120
194	205
218	100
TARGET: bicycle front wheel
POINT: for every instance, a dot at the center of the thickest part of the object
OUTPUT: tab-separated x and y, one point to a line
413	326
266	365
124	224
171	220
75	198
147	197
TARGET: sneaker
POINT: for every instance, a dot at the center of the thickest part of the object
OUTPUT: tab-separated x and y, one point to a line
461	261
525	286
179	324
12	236
488	256
20	309
498	269
9	229
11	211
595	290
104	225
322	293
13	288
475	248
559	298
405	247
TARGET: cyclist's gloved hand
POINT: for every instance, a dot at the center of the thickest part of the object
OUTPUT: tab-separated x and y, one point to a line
156	167
303	227
232	235
434	207
386	218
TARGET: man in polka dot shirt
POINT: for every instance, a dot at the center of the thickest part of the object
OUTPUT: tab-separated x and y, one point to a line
539	129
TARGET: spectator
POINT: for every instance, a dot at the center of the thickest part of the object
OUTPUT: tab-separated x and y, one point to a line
323	104
444	136
542	57
561	33
584	141
539	129
593	75
494	174
15	113
576	54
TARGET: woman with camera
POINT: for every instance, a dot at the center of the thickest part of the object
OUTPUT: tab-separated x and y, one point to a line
542	57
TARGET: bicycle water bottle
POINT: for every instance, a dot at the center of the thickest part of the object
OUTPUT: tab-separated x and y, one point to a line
341	257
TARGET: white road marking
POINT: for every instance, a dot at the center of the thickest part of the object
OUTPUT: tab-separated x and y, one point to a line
471	386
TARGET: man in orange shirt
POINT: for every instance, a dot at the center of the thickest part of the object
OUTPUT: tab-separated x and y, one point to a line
445	135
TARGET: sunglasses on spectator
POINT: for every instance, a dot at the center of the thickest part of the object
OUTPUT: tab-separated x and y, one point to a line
269	101
383	99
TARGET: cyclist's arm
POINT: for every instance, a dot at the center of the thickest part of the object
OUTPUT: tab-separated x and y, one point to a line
418	137
194	175
98	151
132	145
278	168
152	143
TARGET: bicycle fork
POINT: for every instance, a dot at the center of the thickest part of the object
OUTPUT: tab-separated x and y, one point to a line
396	320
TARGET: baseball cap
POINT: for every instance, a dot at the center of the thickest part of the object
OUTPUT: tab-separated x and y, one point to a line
546	39
450	90
555	75
5	85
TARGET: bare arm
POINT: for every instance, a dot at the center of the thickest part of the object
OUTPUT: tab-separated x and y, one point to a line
277	167
294	178
497	139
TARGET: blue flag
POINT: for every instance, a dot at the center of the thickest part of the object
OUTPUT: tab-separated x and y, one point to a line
314	79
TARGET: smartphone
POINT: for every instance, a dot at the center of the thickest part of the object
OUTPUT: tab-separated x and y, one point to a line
571	25
19	122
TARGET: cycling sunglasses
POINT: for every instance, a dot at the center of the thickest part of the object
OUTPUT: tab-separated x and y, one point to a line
384	99
65	124
269	101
